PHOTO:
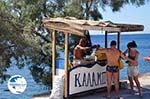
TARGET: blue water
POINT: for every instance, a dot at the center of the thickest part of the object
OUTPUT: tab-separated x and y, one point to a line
31	89
143	42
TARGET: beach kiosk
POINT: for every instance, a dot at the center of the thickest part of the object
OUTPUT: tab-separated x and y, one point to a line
82	78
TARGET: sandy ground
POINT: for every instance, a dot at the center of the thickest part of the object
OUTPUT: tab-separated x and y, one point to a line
124	93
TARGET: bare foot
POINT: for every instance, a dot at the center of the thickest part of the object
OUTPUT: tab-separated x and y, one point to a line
141	95
132	92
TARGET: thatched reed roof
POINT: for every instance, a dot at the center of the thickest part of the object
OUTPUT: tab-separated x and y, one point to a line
77	27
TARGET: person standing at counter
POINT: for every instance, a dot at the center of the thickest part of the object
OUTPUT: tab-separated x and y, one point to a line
112	70
80	49
79	53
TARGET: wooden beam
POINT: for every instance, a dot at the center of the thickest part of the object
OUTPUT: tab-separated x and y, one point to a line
53	54
66	63
118	40
109	29
64	29
106	39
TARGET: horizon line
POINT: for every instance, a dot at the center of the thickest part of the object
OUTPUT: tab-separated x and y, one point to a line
123	33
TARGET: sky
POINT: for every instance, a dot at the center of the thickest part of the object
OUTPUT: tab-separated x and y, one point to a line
130	14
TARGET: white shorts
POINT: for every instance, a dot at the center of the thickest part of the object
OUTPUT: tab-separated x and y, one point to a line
132	71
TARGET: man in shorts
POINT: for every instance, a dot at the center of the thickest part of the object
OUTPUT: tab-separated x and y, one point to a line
113	55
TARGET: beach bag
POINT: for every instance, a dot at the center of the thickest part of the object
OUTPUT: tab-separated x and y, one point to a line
58	87
120	64
101	58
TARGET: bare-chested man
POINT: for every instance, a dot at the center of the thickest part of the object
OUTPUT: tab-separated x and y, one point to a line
80	51
112	69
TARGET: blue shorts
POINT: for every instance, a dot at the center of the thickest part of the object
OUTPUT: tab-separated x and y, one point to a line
112	69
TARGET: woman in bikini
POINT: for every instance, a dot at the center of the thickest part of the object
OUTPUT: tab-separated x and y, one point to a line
133	70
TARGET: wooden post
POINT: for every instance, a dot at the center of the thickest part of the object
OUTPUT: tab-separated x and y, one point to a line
53	54
118	40
106	40
66	64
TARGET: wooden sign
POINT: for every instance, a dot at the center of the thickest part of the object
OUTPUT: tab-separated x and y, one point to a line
85	78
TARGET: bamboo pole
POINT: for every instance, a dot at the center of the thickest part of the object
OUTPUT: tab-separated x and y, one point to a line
66	64
118	39
53	54
106	40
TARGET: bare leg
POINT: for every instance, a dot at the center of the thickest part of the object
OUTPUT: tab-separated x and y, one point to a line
109	80
131	84
116	81
138	85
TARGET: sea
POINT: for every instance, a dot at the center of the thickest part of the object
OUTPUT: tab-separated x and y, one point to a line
143	46
143	43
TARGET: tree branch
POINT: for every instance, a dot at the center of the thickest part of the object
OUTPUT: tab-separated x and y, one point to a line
43	37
